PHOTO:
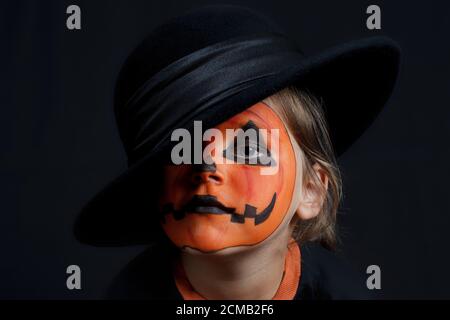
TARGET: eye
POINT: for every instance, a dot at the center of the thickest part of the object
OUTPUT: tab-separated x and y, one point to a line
249	152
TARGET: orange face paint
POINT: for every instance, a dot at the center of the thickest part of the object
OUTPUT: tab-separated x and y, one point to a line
222	205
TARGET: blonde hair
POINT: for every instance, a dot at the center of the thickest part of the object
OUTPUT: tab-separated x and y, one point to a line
304	116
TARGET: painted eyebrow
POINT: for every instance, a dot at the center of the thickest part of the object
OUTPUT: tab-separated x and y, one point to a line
259	117
250	125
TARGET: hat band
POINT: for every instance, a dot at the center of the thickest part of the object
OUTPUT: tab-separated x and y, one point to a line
176	95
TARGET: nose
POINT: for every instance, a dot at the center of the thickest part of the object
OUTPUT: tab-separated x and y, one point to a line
206	173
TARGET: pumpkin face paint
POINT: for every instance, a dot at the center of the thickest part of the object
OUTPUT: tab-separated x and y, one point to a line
214	206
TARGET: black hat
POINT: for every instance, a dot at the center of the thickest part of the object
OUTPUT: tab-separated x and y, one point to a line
209	65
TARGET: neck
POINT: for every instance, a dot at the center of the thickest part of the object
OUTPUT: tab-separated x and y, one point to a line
241	273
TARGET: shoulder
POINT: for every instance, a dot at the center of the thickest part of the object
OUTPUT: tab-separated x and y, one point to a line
324	275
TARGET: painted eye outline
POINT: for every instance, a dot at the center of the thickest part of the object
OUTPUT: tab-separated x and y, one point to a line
261	149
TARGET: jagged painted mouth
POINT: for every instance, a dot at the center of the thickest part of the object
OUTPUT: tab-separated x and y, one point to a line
208	204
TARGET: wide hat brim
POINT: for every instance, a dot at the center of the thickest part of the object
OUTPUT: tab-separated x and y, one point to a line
354	82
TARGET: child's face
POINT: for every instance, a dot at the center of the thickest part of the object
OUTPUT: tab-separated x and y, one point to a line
213	207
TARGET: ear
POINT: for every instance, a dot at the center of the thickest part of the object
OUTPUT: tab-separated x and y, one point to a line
313	195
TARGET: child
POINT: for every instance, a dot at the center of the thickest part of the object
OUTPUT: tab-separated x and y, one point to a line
224	230
246	260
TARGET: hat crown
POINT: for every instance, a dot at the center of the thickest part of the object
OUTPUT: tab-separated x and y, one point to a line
183	35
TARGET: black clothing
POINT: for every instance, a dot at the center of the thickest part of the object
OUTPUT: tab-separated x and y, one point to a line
323	276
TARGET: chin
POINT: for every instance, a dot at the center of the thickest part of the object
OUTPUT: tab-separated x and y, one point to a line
221	251
205	243
205	248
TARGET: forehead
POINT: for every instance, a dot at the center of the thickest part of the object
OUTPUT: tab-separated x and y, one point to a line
260	113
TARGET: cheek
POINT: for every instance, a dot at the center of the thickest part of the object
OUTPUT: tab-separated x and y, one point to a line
239	185
287	172
174	184
247	186
287	168
283	182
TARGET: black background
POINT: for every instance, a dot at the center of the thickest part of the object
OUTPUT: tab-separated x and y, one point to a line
59	143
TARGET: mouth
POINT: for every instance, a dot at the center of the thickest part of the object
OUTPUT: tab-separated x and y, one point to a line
203	209
208	204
